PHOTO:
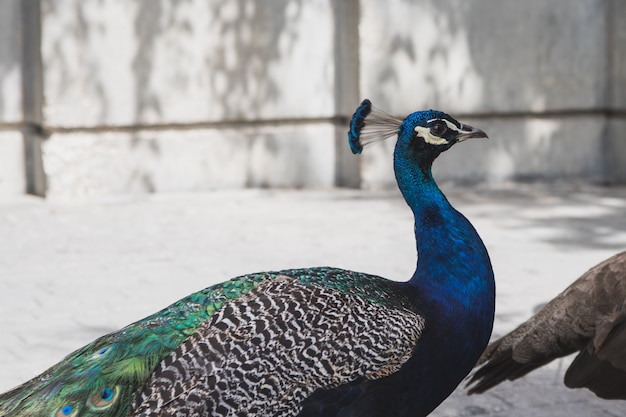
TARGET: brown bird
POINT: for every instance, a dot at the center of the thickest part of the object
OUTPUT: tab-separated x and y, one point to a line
589	317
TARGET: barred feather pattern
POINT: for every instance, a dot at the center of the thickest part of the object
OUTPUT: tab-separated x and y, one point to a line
267	351
102	378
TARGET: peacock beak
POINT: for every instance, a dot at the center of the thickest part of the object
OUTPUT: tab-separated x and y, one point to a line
469	132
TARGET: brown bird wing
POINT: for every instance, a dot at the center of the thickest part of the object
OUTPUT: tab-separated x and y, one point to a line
565	325
602	366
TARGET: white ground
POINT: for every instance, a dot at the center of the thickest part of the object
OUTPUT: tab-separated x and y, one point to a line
73	270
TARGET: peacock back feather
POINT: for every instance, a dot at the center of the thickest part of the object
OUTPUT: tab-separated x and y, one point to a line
104	377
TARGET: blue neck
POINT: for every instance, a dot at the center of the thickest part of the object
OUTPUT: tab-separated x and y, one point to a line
453	286
453	260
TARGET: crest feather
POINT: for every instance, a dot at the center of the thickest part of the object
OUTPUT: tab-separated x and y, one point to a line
370	125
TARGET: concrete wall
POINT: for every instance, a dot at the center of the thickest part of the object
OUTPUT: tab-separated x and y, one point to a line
161	95
185	96
21	165
12	169
616	133
535	75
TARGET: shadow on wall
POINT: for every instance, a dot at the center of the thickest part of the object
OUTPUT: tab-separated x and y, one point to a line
177	63
76	71
249	39
254	35
10	65
536	57
489	59
147	61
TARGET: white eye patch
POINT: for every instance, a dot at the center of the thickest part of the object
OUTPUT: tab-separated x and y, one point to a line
424	132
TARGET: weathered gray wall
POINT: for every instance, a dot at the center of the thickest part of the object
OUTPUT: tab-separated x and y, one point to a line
150	96
615	150
19	77
535	75
201	94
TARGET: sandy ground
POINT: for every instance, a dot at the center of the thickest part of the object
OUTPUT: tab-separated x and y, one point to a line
74	270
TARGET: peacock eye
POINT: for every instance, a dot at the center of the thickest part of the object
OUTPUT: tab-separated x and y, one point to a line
100	352
65	411
438	128
103	398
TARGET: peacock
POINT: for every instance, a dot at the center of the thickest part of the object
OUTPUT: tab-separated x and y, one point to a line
588	317
316	341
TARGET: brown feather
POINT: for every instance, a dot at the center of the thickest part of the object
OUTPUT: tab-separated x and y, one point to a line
589	317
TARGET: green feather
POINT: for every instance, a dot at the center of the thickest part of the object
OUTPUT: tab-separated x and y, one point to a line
102	378
119	362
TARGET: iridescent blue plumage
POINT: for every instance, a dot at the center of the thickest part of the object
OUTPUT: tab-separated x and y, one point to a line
452	287
370	125
312	341
356	125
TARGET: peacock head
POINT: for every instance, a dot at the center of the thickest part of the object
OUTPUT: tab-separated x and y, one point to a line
422	135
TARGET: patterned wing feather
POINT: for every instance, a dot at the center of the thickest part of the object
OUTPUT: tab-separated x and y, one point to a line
265	352
103	377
